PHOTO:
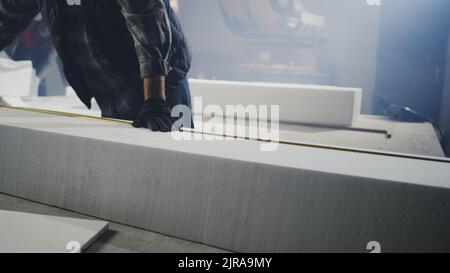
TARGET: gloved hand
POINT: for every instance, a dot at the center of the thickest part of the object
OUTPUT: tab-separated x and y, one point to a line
155	115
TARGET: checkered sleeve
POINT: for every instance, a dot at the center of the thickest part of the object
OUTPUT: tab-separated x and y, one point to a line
149	24
15	16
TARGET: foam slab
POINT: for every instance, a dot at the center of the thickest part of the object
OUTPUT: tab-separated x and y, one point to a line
227	194
17	78
33	233
308	104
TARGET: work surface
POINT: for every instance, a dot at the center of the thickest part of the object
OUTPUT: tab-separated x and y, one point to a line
324	160
227	194
410	138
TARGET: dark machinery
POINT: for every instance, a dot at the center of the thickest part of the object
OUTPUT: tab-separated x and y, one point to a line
268	40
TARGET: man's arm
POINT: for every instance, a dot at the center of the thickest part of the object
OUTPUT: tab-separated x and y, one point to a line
149	24
15	16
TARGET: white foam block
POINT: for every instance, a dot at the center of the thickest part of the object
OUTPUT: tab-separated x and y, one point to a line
17	79
227	194
34	233
12	101
309	104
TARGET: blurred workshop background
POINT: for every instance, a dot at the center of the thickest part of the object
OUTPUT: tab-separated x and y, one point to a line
398	51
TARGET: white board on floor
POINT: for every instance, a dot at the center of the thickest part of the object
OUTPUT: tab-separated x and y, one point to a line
33	233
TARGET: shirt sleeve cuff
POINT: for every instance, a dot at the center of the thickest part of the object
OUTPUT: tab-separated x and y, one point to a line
154	67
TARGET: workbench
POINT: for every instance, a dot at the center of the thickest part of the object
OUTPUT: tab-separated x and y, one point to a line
368	132
227	194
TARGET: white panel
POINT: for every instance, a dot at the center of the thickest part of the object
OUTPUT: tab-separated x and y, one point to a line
310	104
17	79
34	233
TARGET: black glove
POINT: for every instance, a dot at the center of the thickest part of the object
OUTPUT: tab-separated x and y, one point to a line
155	115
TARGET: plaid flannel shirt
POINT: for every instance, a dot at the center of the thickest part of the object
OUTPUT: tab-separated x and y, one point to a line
89	58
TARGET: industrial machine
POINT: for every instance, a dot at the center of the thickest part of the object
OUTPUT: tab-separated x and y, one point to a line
271	41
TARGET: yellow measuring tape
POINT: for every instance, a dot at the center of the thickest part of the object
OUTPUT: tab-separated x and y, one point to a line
65	114
283	142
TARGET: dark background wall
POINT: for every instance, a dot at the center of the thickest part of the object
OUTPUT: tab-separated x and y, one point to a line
412	52
445	108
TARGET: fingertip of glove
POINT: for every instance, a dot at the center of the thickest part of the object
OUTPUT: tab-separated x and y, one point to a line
163	125
137	124
153	126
